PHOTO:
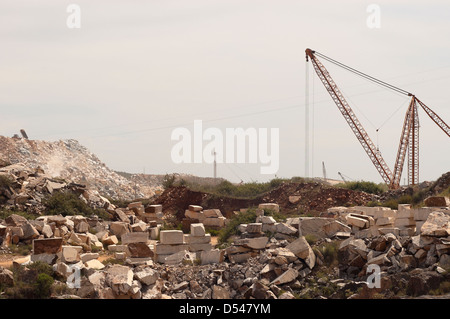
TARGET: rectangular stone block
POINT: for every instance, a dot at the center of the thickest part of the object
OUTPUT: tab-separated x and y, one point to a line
200	247
422	213
194	215
154	232
171	237
357	221
382	221
404	222
214	222
195	208
197	229
138	237
47	246
270	206
163	249
214	213
254	228
153	209
214	256
189	239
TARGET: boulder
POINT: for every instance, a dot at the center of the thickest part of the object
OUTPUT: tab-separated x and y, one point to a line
253	243
302	250
436	225
15	220
146	276
94	264
286	277
140	250
120	279
214	256
219	292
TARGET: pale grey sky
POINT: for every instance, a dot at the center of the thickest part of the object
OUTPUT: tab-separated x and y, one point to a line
136	70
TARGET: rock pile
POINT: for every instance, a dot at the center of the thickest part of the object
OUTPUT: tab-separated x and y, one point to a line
71	161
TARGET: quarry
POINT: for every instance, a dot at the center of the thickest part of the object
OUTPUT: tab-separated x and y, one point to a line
73	234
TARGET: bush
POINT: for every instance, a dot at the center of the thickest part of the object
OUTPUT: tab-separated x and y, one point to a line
69	204
34	282
232	228
368	187
5	181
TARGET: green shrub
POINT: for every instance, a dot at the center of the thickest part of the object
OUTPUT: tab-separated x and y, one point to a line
6	213
330	253
33	282
5	181
232	228
69	204
363	186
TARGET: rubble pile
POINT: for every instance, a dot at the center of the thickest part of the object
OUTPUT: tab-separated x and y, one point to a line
268	259
70	161
25	189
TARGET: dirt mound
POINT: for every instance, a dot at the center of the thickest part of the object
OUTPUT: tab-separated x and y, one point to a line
311	197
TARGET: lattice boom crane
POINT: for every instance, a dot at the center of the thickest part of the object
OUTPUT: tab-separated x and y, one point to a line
409	138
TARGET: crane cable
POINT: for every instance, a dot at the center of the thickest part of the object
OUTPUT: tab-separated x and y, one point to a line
364	75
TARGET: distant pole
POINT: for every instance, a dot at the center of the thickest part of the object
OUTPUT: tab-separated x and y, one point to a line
215	165
307	121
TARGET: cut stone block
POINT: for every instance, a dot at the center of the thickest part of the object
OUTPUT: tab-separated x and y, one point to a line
214	222
357	221
302	250
70	254
154	209
437	201
253	243
189	239
422	213
404	222
197	229
163	249
212	213
285	229
199	247
146	276
194	215
171	237
47	246
88	256
94	264
214	256
119	228
137	237
254	228
270	206
195	208
140	250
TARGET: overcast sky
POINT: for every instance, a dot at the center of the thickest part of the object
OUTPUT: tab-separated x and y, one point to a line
136	70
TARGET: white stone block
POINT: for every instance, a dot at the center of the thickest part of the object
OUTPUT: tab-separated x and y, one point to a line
197	229
171	237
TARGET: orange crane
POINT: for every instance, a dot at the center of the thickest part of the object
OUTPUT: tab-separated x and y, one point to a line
409	139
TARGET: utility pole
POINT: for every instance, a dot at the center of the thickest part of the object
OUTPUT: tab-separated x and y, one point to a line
215	165
307	120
